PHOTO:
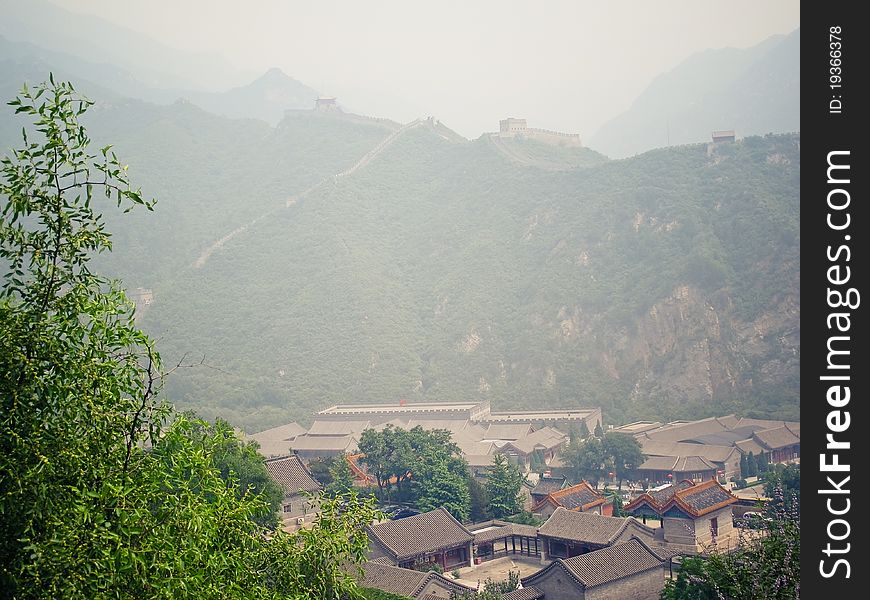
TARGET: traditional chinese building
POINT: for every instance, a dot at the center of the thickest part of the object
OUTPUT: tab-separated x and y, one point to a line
409	583
298	484
581	498
547	485
434	537
535	449
695	517
494	539
568	533
628	570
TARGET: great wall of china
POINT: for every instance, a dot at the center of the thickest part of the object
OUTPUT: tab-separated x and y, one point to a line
508	128
361	163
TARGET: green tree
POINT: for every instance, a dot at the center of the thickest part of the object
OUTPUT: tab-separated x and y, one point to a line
321	470
783	487
76	402
238	462
762	462
584	430
104	491
442	481
588	460
744	466
599	433
503	484
624	453
341	477
479	500
525	518
394	454
751	466
616	498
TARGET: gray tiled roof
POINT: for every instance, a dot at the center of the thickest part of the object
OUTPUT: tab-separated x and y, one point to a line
340	443
680	464
548	485
388	578
274	448
545	438
612	563
399	581
657	499
507	431
524	593
663	448
675	432
703	498
276	441
451	425
496	530
476	448
577	497
334	428
420	534
663	495
585	527
291	475
280	433
780	437
747	446
478	460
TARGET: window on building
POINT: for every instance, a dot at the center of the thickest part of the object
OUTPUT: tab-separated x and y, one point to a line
714	526
288	508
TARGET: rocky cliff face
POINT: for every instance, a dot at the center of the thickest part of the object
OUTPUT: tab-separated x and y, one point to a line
691	349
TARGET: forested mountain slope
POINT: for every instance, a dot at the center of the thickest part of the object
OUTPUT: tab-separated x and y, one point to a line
665	286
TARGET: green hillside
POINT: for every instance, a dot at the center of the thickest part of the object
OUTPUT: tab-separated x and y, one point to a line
662	286
211	175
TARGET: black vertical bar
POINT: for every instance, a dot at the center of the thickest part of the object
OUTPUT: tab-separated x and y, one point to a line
834	222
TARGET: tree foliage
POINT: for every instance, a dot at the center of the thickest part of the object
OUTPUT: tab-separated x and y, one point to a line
751	466
587	459
624	454
783	487
428	459
105	492
479	501
503	484
341	477
593	458
237	461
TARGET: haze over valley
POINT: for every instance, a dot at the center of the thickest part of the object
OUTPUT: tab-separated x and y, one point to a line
300	258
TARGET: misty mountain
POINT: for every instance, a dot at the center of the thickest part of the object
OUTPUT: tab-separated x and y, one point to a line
22	62
266	98
753	91
98	41
335	258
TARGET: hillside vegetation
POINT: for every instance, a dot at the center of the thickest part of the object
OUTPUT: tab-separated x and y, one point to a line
662	286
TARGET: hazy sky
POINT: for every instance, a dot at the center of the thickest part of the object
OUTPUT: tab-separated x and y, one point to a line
567	65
